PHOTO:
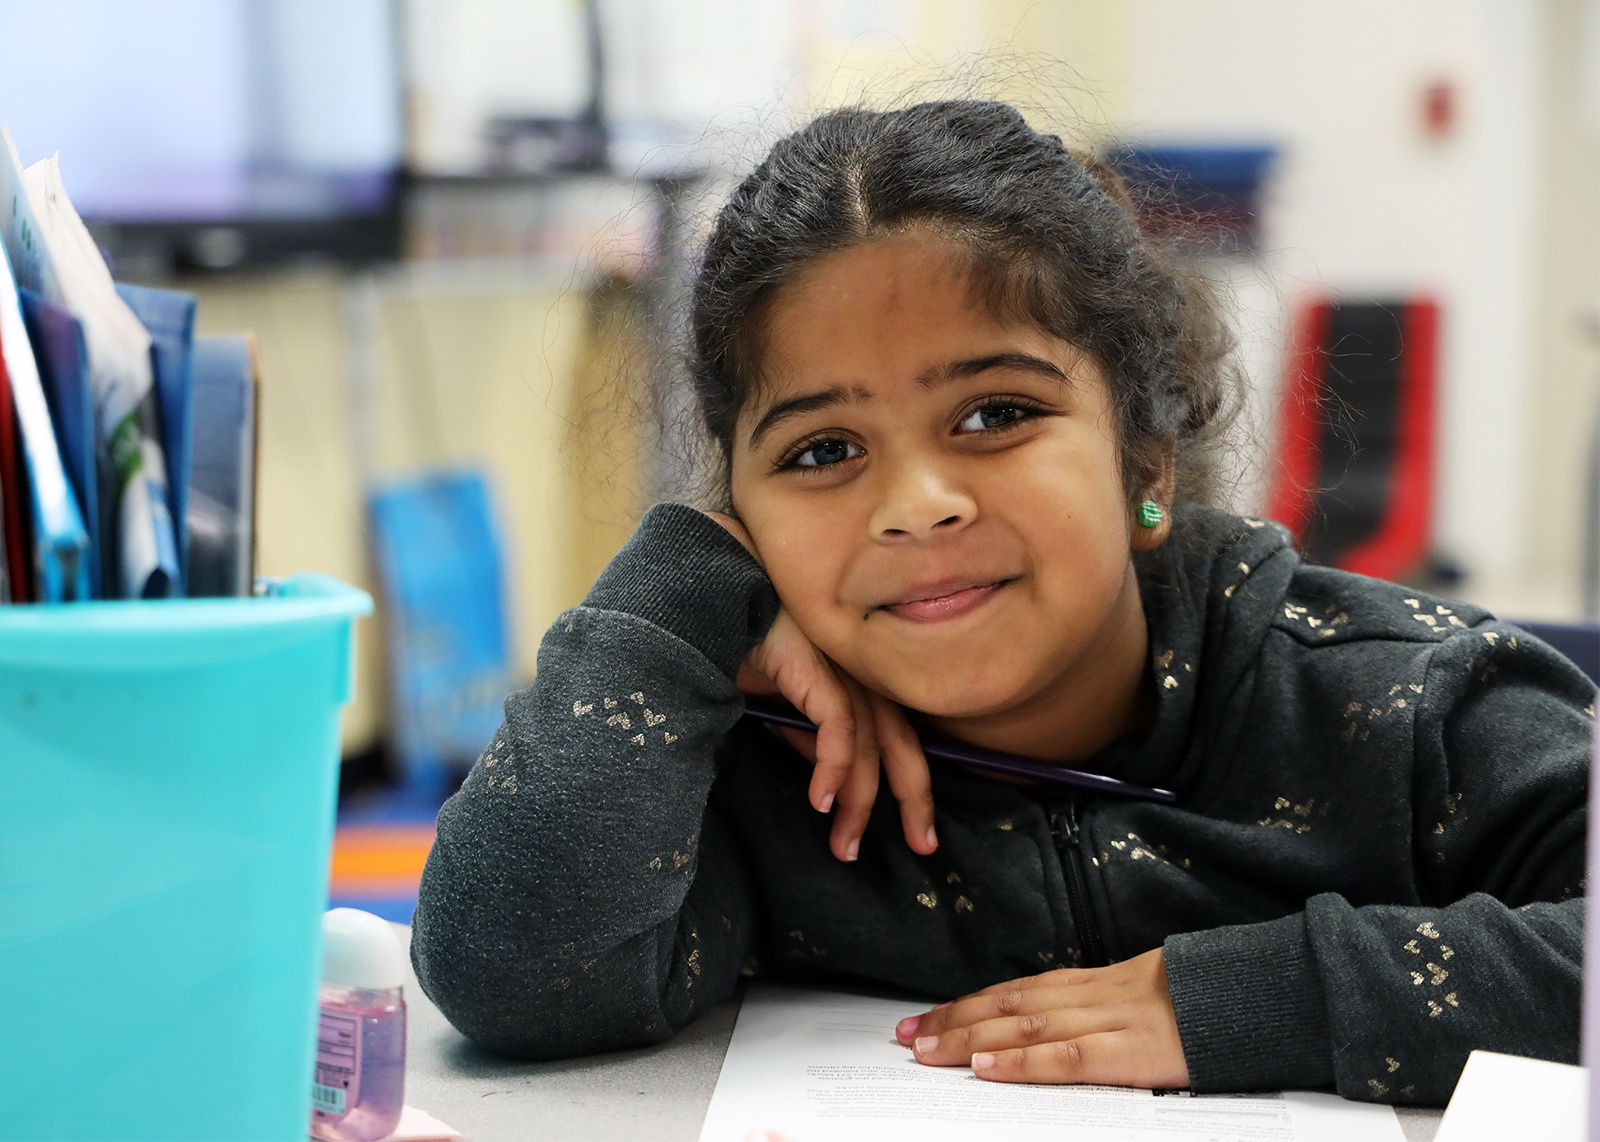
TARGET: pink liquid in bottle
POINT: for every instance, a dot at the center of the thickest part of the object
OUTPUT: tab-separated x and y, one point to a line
359	1087
360	1084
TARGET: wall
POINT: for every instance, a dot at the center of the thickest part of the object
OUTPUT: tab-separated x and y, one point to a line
1567	301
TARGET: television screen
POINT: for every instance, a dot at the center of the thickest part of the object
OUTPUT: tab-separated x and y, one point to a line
208	111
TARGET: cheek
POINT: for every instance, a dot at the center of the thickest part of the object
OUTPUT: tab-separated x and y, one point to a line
1066	498
805	547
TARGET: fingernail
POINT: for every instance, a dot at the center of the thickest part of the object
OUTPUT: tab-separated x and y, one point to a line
851	851
933	838
945	1004
927	1045
827	803
907	1027
982	1062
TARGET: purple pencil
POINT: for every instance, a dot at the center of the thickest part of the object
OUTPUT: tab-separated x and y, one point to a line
976	757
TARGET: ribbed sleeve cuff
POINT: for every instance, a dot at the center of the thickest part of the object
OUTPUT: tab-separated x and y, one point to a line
685	573
1250	1007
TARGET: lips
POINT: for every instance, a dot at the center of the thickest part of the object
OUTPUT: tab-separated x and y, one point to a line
945	599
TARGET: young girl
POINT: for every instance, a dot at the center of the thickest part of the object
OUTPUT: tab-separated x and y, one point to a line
964	411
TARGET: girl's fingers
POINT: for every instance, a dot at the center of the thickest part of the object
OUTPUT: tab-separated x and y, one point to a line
799	672
858	733
907	770
1110	1058
860	787
954	1047
1099	1058
809	682
1015	1001
1097	1025
1016	996
1137	982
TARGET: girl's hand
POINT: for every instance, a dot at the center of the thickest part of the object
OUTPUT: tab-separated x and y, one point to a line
1111	1025
858	732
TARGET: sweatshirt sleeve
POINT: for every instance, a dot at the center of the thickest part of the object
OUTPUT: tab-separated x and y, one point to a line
1385	1001
580	895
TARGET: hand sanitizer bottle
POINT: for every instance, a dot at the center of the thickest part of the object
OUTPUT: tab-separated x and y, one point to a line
359	1087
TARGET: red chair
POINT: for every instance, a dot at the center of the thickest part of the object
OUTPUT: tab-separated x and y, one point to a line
1354	478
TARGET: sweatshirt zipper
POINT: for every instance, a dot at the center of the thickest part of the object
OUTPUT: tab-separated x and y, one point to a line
1069	843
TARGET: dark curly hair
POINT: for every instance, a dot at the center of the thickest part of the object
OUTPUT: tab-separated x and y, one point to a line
1051	238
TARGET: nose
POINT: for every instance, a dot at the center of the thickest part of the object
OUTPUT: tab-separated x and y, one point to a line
918	501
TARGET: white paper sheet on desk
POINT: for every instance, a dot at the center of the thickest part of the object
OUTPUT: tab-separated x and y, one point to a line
822	1066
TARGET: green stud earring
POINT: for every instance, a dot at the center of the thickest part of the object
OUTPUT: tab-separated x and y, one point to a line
1150	513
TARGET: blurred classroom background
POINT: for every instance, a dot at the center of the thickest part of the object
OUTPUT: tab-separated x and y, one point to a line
460	231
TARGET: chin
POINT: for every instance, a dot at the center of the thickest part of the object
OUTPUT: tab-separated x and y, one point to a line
962	698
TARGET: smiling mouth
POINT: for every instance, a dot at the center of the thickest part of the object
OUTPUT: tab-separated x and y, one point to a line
945	604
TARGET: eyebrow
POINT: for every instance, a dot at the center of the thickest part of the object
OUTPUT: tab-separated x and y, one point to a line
955	371
785	409
962	370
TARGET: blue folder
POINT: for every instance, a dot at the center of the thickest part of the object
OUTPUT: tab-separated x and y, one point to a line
169	316
222	495
63	360
437	547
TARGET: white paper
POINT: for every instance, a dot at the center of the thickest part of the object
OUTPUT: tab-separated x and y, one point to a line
20	231
118	343
1505	1096
122	377
808	1065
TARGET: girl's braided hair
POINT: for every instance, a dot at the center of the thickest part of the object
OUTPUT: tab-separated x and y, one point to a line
1050	236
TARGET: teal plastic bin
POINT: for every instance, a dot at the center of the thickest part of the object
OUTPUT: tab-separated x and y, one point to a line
167	783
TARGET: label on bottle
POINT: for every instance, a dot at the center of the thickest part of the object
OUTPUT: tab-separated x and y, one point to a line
337	1086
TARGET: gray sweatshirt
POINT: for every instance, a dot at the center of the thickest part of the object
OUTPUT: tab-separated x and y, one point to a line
1374	866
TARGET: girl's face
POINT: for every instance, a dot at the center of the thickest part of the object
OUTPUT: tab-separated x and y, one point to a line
935	491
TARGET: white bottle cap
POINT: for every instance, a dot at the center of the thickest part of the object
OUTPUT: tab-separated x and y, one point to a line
361	950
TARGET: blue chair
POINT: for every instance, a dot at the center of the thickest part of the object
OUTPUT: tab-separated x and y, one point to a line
439	562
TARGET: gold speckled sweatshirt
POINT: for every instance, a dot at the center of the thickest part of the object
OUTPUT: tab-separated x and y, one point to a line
1374	865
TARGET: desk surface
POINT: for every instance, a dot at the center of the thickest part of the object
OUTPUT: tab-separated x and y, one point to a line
660	1092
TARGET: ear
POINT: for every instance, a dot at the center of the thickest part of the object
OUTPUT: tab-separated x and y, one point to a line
1161	490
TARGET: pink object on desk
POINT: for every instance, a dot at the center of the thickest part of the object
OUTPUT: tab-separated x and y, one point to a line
420	1126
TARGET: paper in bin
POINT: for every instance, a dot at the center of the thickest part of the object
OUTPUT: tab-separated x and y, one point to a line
58	259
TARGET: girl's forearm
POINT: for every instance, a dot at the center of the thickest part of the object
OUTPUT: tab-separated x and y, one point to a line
563	907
